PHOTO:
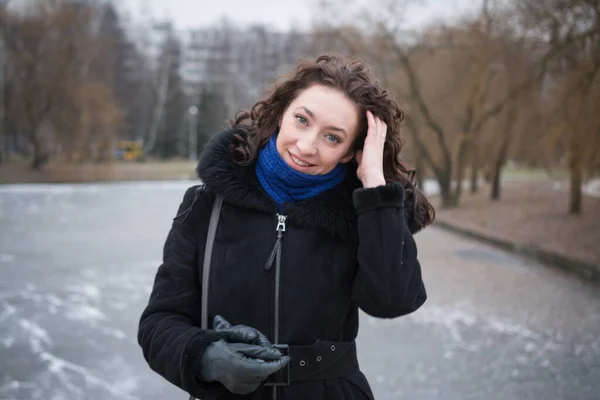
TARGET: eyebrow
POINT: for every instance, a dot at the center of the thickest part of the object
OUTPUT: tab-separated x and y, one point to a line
330	127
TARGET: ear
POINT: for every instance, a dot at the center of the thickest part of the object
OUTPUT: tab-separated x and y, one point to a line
347	157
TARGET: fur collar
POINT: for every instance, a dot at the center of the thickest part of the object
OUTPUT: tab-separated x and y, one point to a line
332	211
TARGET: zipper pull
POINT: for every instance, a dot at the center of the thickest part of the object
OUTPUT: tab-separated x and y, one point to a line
281	223
277	248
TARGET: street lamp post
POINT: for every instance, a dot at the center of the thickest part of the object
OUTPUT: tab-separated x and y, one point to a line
193	133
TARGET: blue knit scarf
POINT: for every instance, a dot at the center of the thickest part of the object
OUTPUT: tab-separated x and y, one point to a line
284	184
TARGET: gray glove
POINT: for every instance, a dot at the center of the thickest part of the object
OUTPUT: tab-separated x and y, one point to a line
244	363
233	333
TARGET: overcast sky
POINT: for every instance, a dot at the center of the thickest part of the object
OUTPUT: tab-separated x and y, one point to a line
280	14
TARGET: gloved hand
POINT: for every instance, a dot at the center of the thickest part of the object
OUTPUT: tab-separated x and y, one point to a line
242	364
250	335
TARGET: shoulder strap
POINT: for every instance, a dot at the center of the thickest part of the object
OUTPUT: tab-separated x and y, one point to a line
210	238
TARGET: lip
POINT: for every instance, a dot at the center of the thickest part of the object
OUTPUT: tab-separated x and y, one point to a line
301	159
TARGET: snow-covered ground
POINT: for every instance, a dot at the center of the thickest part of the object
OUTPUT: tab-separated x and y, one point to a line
592	188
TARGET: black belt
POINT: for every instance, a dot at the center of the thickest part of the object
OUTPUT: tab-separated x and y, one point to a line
315	362
319	361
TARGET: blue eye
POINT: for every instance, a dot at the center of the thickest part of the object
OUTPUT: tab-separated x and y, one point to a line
333	139
301	119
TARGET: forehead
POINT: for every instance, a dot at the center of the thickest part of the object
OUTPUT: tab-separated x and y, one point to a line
330	107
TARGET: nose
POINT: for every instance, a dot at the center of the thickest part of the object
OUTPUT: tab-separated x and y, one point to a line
306	144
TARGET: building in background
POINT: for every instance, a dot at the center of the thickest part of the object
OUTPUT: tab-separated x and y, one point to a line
238	62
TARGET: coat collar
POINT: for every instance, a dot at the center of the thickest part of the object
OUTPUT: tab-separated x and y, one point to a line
332	211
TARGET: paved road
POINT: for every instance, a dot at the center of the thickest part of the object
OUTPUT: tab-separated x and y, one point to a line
77	263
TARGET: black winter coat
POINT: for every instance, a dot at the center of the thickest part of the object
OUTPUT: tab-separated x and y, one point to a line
345	249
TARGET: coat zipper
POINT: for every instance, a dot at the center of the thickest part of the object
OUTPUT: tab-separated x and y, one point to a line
276	256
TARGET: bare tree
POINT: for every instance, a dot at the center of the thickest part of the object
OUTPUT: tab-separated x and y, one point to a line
60	89
42	58
161	87
3	63
489	66
571	32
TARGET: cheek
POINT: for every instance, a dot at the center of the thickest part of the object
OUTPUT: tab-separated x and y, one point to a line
287	121
334	156
344	151
288	132
284	140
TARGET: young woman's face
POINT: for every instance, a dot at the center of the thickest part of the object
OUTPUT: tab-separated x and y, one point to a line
317	130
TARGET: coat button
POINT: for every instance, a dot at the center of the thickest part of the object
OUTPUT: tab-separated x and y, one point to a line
333	347
302	363
319	359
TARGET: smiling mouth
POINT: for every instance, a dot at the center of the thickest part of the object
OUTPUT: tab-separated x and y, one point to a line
299	162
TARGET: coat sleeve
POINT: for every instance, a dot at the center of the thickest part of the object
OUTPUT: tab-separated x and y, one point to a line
388	282
168	332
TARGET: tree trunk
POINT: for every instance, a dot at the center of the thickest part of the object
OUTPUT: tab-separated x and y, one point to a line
40	157
498	164
442	174
3	138
460	169
448	200
475	171
575	195
576	179
420	165
2	146
502	155
495	194
162	92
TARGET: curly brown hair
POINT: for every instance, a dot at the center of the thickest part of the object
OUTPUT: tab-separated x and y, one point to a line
351	77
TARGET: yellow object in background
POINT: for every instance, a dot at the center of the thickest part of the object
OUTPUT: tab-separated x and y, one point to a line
129	150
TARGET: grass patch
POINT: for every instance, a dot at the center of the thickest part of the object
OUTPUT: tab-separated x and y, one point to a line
20	171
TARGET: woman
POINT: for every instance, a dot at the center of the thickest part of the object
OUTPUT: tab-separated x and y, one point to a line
317	222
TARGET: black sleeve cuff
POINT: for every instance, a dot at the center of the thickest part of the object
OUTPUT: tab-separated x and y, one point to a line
194	351
390	195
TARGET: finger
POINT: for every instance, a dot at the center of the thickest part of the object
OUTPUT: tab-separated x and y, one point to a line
377	123
369	117
241	334
270	367
262	339
220	323
259	352
371	124
383	130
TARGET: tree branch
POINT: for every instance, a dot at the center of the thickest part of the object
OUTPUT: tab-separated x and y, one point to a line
412	128
416	95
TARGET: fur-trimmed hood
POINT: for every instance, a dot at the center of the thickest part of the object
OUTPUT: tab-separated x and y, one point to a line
332	210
